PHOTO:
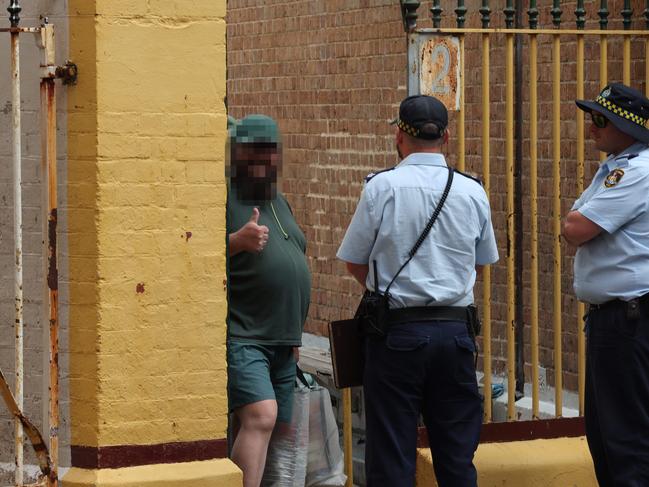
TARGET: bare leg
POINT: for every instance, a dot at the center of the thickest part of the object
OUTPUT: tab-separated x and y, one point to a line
256	423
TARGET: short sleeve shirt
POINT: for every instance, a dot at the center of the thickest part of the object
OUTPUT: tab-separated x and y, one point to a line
615	264
268	292
392	212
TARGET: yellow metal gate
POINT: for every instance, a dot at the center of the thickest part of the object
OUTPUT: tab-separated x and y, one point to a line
460	65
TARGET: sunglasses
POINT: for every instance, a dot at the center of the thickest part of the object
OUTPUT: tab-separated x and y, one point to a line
599	120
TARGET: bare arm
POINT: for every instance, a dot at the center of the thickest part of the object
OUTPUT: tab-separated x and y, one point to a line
358	271
577	229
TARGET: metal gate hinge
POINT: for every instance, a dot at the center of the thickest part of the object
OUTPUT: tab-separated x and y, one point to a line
68	73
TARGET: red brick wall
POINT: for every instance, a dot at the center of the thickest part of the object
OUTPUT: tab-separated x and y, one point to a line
332	72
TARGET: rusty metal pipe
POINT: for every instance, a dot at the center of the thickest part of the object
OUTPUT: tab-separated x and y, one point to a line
18	228
48	169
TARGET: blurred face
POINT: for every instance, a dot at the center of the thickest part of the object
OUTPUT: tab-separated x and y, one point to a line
606	136
255	170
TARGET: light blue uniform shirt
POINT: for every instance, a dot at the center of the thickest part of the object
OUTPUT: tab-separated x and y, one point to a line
615	264
392	212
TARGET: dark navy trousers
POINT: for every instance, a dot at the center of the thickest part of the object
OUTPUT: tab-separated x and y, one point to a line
425	368
617	396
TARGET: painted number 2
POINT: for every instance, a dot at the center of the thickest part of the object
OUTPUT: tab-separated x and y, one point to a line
438	85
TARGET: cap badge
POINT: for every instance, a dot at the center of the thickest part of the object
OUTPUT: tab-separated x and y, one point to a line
606	93
613	178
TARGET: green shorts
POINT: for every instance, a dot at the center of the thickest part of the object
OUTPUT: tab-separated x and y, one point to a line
260	372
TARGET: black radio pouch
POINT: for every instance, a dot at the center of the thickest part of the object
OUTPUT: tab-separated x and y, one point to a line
473	320
373	310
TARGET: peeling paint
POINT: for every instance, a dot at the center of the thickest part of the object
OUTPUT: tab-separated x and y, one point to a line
440	70
52	270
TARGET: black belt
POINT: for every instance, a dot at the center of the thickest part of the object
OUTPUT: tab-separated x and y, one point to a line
615	303
428	313
633	309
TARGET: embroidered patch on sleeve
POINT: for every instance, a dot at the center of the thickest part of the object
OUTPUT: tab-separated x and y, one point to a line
613	178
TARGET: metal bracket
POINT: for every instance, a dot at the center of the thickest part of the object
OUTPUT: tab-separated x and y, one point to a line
68	73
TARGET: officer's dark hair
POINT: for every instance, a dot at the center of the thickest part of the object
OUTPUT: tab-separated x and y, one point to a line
433	133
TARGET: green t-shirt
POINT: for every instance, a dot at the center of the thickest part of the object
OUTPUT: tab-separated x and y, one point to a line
268	292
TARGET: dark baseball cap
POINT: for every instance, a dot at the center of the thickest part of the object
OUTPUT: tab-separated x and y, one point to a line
255	128
626	108
418	111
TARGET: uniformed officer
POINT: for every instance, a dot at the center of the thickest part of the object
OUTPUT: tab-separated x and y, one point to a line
425	362
609	224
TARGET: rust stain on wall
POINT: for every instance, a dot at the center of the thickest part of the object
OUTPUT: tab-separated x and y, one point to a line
139	288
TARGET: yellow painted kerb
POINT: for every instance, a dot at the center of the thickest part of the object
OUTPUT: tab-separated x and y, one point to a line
562	462
221	473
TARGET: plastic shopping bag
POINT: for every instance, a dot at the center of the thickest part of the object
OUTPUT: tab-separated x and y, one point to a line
287	452
325	463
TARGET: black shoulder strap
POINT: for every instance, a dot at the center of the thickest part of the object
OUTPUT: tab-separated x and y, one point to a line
426	231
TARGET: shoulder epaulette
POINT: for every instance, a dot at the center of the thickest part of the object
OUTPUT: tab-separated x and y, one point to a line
628	157
475	178
369	177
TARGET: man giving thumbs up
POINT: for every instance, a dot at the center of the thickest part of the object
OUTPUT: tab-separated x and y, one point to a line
268	291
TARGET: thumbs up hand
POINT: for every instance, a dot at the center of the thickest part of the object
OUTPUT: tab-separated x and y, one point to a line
251	237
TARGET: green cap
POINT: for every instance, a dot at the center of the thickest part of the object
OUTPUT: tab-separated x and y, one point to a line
255	129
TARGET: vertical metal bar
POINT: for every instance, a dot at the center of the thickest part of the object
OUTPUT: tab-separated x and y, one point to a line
627	12
511	251
581	339
646	50
534	228
461	129
519	287
14	11
556	218
603	46
486	271
347	436
626	63
48	166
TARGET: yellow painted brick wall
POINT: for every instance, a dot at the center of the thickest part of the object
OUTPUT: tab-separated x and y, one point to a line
146	189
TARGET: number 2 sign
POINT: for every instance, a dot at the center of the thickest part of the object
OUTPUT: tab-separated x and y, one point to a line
439	69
